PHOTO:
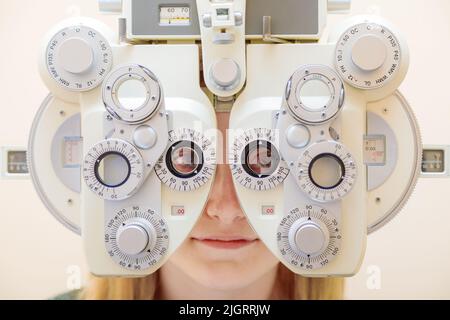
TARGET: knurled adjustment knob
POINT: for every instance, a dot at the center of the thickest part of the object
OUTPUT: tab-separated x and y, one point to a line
369	53
226	74
76	55
134	238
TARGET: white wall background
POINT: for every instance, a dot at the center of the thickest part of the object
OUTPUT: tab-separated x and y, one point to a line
411	254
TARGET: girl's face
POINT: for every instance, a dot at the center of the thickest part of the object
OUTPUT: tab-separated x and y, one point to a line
223	252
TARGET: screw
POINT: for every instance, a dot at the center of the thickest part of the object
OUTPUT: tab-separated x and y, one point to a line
284	111
153	98
69	202
291	164
109	118
62	113
378	200
385	110
122	131
149	165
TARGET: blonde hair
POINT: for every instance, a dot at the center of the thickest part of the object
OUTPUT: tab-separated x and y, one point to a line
297	287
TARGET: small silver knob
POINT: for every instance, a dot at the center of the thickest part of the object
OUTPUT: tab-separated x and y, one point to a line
134	238
309	237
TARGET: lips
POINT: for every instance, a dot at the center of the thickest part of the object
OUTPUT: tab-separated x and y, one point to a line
225	242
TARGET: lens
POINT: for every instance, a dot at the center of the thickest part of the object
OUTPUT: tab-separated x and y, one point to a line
260	159
184	159
112	169
314	95
327	171
132	94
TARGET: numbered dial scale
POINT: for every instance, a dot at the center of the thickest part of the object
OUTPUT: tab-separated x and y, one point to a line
113	169
256	163
309	237
368	55
78	58
189	162
132	93
326	171
315	94
137	238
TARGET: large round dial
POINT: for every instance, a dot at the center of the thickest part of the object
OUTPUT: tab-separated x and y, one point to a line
368	55
189	162
309	237
256	163
314	94
132	93
78	58
137	238
326	171
113	169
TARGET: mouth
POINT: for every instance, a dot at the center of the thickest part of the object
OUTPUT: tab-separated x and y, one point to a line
225	242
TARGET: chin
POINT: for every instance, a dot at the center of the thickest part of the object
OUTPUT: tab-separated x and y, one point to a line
225	270
225	276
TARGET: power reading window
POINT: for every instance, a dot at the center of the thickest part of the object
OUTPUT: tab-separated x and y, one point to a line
375	150
179	15
72	152
17	162
223	13
13	163
433	161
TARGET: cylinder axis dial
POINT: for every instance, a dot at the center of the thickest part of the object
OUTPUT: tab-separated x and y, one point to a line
137	238
326	171
368	55
315	94
256	163
132	93
189	162
113	169
309	237
78	58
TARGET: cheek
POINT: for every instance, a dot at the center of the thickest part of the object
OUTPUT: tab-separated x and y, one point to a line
222	271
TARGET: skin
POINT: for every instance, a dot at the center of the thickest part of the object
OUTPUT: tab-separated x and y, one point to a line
204	269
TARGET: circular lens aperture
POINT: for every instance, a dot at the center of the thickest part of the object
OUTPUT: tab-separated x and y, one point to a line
260	159
326	171
184	159
112	169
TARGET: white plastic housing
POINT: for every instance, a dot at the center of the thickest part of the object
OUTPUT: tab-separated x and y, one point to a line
177	69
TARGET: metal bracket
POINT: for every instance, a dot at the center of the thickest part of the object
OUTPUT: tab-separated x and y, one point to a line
224	104
267	31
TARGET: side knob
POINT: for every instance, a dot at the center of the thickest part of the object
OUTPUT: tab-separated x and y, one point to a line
78	58
135	237
76	55
308	238
369	55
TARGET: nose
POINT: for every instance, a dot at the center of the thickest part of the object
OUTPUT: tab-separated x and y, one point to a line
223	204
